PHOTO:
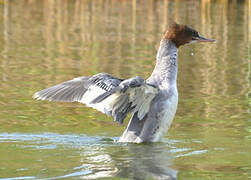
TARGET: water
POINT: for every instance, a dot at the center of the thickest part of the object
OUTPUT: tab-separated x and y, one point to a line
43	43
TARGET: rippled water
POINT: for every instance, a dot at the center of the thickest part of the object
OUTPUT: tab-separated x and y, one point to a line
46	42
62	156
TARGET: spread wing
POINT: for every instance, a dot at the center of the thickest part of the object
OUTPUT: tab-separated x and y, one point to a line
105	93
132	95
81	89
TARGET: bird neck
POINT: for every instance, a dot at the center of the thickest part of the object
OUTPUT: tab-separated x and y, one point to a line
165	71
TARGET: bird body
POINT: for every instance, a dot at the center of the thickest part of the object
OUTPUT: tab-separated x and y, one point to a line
164	105
152	102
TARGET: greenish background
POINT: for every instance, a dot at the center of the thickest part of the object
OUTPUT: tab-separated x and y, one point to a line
45	42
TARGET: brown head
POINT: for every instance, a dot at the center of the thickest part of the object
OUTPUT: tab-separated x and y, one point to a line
182	34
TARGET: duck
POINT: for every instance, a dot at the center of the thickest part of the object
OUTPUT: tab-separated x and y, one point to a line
152	102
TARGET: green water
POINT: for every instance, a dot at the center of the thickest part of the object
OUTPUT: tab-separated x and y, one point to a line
43	43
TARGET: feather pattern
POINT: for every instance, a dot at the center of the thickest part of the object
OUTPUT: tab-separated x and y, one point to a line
80	89
132	95
112	96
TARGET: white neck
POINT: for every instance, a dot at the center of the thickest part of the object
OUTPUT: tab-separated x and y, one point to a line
165	71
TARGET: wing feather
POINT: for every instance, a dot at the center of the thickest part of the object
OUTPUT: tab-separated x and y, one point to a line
107	94
81	89
132	95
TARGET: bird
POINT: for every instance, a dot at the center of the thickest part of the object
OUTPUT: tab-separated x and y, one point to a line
151	102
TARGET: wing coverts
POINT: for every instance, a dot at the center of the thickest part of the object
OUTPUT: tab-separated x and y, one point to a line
112	96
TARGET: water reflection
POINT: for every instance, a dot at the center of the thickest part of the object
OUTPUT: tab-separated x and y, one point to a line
69	35
129	161
45	42
148	161
98	162
97	157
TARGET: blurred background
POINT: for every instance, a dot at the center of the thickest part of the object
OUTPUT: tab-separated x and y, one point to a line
45	42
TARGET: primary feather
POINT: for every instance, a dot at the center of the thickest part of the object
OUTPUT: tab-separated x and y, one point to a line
112	96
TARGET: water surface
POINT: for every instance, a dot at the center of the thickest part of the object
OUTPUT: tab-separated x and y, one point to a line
43	43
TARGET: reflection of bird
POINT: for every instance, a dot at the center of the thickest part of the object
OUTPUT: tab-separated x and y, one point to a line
146	161
153	102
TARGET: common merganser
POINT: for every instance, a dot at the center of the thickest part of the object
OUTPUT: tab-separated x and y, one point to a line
152	102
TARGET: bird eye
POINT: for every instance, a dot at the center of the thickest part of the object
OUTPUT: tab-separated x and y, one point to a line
195	34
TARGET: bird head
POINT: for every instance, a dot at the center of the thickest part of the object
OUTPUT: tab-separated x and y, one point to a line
182	34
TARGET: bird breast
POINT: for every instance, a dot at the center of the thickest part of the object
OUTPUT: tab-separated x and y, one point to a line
166	115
